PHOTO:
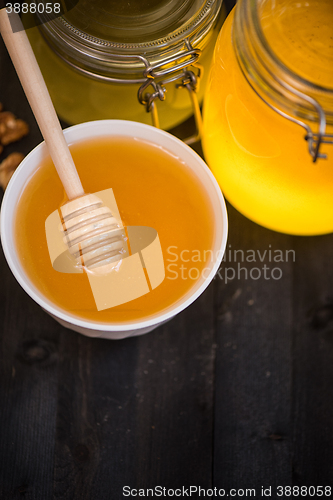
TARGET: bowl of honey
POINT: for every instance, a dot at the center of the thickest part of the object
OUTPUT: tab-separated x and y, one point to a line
161	187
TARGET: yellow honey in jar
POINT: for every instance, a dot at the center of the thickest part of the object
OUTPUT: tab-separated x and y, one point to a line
259	157
94	59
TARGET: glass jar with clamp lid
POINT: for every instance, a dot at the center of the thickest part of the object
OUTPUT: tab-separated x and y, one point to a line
268	113
111	59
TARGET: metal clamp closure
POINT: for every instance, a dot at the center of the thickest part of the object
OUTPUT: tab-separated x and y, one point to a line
148	99
314	140
188	79
188	57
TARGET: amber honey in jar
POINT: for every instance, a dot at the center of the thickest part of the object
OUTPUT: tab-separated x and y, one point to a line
109	59
270	94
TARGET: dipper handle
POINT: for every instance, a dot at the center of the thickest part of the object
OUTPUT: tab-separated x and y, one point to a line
32	81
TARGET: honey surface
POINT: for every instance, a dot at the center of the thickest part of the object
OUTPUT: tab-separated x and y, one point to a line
300	32
152	188
261	159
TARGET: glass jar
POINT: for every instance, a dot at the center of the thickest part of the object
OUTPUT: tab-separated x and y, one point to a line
110	59
270	94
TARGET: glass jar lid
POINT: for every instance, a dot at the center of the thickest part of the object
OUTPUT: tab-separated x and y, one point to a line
133	22
111	39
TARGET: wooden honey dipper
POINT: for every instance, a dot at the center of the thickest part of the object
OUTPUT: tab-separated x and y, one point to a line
91	232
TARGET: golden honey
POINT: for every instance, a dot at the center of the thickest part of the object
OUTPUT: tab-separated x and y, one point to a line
152	188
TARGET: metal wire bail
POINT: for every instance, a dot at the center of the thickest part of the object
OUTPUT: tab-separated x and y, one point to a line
314	139
179	71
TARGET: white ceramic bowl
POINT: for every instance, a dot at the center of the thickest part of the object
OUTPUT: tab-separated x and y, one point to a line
100	129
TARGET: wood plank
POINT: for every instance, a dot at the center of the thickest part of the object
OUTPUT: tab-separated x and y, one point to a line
28	393
253	368
95	387
175	421
313	362
138	411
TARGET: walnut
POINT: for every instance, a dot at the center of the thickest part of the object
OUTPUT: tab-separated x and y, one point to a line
11	128
8	167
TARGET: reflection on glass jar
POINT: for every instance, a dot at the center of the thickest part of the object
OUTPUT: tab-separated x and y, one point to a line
269	87
97	57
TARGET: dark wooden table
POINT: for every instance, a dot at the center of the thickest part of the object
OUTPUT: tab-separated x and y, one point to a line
234	393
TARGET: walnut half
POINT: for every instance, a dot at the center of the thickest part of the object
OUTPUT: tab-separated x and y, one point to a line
11	128
8	167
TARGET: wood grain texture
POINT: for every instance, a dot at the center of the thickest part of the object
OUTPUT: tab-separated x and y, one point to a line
253	368
235	392
142	410
312	458
28	393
